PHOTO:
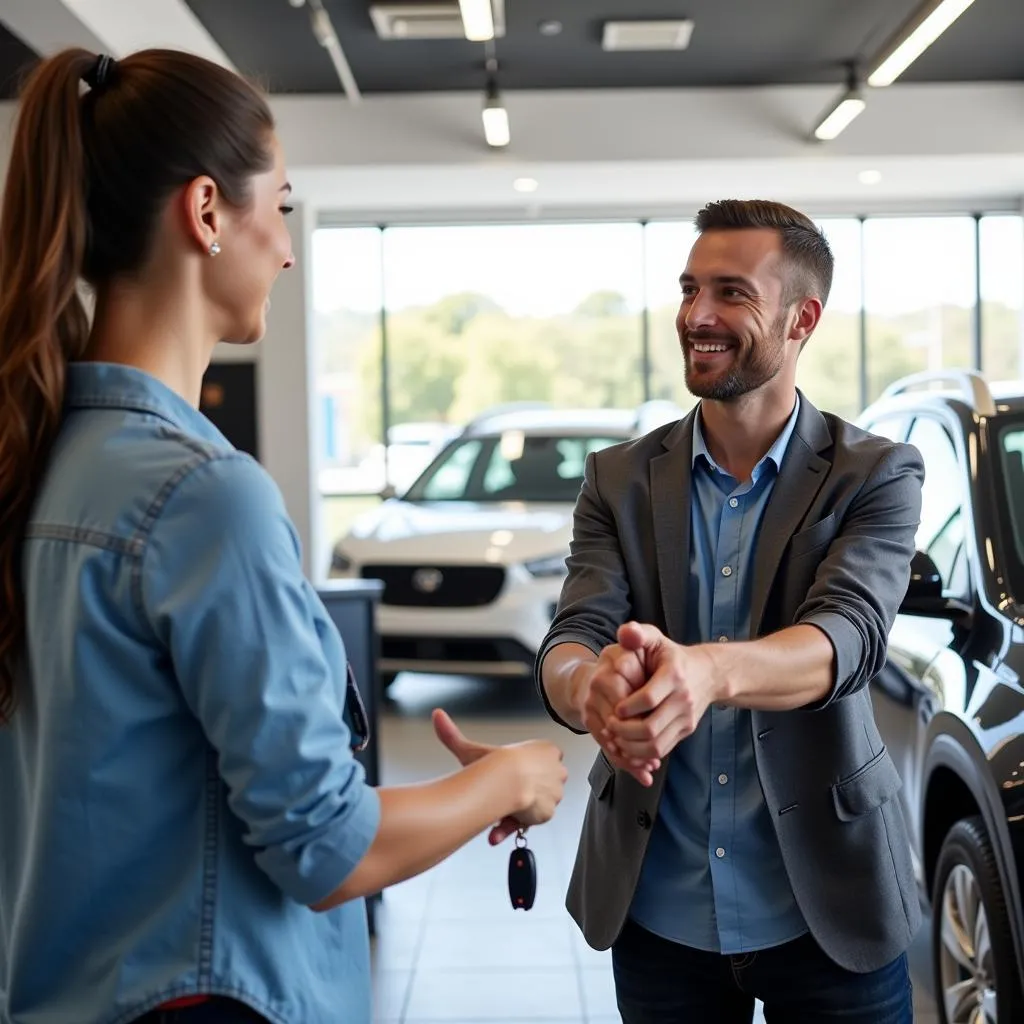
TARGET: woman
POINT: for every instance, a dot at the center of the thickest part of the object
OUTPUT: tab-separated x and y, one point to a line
184	831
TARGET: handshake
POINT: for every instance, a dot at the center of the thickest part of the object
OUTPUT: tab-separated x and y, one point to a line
640	697
643	695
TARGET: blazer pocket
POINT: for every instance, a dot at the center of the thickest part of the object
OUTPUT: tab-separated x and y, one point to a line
868	787
601	775
813	536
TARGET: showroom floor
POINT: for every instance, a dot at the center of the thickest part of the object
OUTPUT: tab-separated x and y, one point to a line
449	946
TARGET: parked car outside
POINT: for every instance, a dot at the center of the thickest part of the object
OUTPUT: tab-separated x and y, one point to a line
473	554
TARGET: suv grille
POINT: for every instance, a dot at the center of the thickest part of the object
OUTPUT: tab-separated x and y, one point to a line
441	586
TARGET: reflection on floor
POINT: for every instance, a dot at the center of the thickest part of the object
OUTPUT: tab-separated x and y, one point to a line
449	947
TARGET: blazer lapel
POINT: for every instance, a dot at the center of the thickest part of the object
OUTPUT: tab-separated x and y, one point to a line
670	505
800	478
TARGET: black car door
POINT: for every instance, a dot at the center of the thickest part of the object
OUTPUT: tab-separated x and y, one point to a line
923	671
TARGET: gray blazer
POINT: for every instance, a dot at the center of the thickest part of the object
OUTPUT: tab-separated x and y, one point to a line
835	543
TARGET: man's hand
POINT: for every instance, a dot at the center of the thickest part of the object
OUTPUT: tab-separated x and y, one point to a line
467	751
602	686
681	682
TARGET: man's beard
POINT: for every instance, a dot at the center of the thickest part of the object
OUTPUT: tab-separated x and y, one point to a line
750	369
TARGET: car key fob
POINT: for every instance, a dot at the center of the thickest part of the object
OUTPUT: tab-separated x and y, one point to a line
522	876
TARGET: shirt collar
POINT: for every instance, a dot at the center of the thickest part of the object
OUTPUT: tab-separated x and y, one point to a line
114	386
775	454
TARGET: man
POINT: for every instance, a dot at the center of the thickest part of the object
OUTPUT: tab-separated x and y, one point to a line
731	584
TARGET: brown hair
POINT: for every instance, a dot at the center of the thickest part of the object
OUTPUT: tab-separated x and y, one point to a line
89	174
803	244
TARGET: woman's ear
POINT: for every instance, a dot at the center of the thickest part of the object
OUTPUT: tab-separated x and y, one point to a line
201	211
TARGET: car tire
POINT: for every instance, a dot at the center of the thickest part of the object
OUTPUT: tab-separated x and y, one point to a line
972	947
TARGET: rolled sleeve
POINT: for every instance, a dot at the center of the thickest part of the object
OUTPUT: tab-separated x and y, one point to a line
863	577
595	597
262	667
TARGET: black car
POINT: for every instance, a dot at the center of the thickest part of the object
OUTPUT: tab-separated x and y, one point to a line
950	702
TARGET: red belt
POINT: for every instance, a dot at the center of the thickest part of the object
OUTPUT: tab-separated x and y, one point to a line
180	1004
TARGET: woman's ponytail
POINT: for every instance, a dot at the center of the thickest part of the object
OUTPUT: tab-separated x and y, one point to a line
43	236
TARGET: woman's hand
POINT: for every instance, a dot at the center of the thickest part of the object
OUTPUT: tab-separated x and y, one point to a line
536	765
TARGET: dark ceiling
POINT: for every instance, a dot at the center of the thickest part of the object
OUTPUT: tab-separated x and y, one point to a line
735	42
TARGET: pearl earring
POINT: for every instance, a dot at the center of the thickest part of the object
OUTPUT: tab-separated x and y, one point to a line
214	248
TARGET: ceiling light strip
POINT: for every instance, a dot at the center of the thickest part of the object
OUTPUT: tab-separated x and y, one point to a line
930	21
840	117
477	20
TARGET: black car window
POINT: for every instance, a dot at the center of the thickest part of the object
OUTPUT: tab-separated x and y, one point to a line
450	478
514	466
941	532
947	550
1011	459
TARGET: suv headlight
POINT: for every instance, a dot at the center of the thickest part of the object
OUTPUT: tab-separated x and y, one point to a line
553	565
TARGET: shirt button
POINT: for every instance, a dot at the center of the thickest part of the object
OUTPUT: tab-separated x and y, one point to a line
723	779
720	853
733	502
726	570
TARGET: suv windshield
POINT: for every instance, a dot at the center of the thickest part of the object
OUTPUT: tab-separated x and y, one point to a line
510	467
1010	449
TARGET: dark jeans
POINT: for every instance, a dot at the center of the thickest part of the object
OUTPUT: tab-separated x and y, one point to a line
661	982
213	1011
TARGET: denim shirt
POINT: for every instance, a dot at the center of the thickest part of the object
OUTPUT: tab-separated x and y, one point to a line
177	784
713	877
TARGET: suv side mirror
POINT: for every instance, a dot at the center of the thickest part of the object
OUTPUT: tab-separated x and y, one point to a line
924	592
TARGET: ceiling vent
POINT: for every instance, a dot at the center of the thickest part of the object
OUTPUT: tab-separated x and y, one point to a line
646	35
398	20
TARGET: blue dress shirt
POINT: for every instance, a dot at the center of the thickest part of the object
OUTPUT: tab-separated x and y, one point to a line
713	876
177	782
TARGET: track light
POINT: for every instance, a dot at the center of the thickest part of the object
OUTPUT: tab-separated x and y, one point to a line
924	27
477	20
497	131
843	112
839	118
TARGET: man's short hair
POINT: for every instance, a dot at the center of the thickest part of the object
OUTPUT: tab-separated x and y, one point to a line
804	246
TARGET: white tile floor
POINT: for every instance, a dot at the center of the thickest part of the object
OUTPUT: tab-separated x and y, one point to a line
449	946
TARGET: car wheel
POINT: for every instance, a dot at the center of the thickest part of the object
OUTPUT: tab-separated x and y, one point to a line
972	949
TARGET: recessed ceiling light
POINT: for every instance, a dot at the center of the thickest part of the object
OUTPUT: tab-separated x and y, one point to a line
525	184
549	28
869	177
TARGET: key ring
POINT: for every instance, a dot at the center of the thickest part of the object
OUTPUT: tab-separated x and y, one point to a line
520	838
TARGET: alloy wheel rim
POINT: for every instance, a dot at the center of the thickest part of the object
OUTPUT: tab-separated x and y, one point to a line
967	977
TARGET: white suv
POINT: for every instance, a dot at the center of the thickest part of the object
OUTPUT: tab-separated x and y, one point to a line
473	554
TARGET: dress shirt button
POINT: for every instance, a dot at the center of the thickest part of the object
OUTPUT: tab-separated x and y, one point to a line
720	853
723	779
643	819
733	502
726	570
